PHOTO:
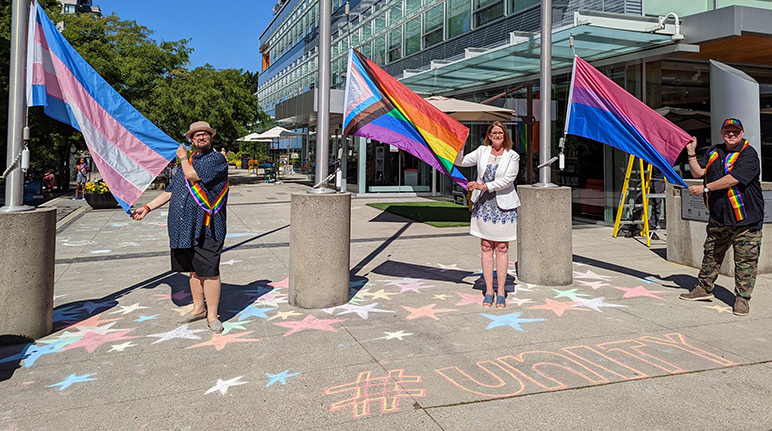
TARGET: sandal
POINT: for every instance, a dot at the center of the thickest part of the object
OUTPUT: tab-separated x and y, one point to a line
190	317
488	301
501	301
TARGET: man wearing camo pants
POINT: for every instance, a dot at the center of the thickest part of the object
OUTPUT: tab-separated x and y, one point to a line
733	191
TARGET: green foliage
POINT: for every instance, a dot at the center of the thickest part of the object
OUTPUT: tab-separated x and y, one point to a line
153	76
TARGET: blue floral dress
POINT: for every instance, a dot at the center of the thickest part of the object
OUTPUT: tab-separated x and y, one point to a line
488	220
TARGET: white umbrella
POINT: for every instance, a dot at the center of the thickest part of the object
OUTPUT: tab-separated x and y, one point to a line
253	137
461	110
278	132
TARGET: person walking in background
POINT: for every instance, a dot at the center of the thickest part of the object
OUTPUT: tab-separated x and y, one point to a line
494	212
196	222
732	189
83	175
49	181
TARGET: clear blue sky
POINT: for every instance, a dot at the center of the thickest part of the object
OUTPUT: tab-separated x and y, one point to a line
224	34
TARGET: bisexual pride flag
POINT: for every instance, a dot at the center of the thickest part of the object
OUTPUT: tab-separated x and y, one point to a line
127	148
601	110
379	107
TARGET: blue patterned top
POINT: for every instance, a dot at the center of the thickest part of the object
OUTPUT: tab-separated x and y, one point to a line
186	217
486	208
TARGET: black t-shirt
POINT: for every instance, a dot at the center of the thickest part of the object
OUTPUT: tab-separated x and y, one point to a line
746	170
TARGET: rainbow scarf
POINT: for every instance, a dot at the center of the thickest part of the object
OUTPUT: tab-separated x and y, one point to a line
733	193
199	195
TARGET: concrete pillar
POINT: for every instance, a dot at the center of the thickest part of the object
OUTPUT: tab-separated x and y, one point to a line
27	272
544	243
320	238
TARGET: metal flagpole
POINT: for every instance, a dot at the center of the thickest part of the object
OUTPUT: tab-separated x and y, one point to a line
14	182
545	84
323	89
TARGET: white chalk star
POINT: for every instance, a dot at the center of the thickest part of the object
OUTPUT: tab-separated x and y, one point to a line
362	310
595	303
223	385
179	332
230	262
392	335
120	347
128	309
448	267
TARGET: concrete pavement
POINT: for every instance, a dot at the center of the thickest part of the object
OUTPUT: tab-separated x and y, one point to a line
413	349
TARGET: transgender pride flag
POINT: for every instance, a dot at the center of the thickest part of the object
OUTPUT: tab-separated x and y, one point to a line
128	149
601	110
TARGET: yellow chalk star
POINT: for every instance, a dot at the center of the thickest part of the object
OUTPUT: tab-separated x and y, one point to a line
719	308
376	295
284	315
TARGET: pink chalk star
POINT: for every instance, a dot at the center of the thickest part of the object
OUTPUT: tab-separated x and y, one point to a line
640	291
91	341
469	298
595	284
219	341
309	322
280	284
558	307
427	311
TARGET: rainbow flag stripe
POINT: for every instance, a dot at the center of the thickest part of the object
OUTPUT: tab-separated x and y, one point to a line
199	195
380	107
735	198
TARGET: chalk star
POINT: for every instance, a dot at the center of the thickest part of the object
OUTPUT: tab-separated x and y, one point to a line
128	309
356	283
255	294
251	310
101	330
469	298
94	321
145	318
717	307
283	315
426	311
230	262
184	310
309	322
92	341
219	341
558	307
441	296
512	320
72	379
179	296
363	310
66	313
223	385
589	275
640	291
518	301
178	332
272	299
280	284
281	377
392	335
381	294
596	303
32	353
121	347
409	284
228	326
570	293
520	288
595	284
90	306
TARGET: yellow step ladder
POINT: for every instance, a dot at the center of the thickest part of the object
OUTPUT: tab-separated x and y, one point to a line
641	180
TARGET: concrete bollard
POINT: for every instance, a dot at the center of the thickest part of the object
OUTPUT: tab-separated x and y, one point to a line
27	272
320	239
544	243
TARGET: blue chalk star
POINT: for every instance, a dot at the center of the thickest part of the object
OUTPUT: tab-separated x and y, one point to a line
512	320
253	311
279	377
73	378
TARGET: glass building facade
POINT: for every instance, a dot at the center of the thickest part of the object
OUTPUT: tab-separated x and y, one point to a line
487	50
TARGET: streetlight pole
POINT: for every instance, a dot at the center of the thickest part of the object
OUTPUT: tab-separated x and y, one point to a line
14	182
545	131
323	90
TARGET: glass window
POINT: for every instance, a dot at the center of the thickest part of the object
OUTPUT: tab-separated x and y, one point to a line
413	36
355	38
487	10
395	15
379	24
367	30
379	51
459	17
395	45
515	6
412	6
69	8
433	26
366	51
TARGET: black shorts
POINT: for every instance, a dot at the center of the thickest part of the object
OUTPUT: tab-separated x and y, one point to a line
203	259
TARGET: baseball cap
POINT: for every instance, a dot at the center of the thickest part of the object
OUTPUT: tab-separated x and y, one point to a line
732	122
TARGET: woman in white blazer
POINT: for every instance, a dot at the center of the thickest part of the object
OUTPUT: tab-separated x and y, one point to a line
494	212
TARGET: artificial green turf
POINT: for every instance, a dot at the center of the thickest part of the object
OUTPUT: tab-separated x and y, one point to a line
435	213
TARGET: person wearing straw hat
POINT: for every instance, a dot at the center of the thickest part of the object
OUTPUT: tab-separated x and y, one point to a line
732	192
198	195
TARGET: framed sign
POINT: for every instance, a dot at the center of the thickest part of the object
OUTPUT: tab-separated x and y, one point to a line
694	208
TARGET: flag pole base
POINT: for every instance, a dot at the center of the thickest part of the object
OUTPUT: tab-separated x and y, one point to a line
15	208
322	191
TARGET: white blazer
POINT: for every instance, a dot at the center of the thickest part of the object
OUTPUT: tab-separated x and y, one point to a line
504	180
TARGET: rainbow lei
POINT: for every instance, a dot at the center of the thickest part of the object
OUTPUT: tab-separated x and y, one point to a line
733	193
199	195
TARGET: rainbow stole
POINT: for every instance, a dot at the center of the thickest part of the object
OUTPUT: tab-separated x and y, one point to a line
733	193
199	195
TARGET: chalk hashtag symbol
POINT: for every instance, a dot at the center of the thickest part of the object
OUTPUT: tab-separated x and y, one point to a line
386	390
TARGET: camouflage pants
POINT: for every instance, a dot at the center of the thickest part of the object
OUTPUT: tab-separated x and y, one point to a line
746	244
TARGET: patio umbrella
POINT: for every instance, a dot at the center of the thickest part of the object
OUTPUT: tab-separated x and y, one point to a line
253	137
277	133
462	110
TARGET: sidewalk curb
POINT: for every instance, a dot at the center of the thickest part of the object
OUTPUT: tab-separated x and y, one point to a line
69	218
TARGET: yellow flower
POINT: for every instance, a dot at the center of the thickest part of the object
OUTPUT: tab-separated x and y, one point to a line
99	188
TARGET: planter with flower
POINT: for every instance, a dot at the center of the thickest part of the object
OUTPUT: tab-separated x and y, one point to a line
98	196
